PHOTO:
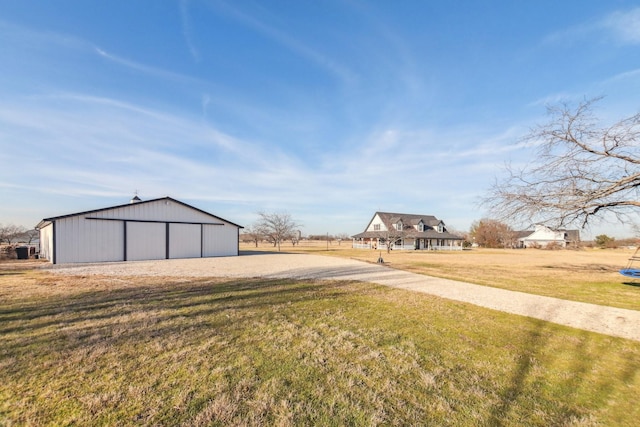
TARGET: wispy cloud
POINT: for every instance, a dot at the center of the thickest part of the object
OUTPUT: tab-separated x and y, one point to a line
624	25
146	69
40	38
187	30
59	45
621	27
118	145
632	74
290	42
554	98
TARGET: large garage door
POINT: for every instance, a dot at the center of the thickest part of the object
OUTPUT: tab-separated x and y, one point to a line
146	240
220	241
185	241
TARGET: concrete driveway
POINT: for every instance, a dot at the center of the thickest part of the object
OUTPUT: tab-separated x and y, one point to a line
590	317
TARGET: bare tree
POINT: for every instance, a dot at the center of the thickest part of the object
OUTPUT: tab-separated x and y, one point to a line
295	237
276	227
341	237
581	171
253	234
393	234
32	234
10	232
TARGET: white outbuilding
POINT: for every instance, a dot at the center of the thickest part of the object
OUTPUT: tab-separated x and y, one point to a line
162	228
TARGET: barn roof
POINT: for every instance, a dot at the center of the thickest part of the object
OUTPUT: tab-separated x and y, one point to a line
47	221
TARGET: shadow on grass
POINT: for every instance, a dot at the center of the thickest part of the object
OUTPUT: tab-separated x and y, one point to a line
151	311
11	273
573	379
29	323
273	252
528	361
635	284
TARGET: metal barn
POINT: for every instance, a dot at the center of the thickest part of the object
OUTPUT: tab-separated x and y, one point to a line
141	230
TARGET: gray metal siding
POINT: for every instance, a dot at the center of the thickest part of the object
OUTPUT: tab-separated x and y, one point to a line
160	210
220	240
46	242
159	229
80	240
145	240
185	241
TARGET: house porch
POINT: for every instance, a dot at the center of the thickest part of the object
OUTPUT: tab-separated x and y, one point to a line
409	244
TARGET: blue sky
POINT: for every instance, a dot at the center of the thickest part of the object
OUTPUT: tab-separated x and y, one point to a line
328	110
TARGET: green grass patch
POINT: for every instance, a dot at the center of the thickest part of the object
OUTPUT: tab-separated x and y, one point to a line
587	283
107	351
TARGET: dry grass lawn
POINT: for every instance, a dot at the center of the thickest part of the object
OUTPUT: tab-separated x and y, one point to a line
586	275
103	350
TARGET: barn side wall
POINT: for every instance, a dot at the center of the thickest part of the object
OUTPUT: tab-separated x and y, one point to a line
146	231
46	242
81	240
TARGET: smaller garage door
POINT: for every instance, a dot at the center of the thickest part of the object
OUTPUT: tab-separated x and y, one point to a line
146	240
185	241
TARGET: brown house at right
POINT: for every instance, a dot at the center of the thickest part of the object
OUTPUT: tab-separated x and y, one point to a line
543	236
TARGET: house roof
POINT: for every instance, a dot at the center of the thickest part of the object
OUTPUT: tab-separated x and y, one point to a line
46	221
390	218
569	235
523	233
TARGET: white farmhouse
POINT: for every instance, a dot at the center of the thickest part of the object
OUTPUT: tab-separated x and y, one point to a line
543	236
406	231
141	230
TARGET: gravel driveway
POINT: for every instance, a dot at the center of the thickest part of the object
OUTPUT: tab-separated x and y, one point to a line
606	320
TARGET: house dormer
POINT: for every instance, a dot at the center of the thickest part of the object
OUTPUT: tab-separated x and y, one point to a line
377	224
399	225
440	227
420	226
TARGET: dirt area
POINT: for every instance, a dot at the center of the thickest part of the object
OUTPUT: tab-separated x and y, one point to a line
596	318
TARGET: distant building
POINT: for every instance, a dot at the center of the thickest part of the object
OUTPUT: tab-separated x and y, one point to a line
542	236
406	231
140	230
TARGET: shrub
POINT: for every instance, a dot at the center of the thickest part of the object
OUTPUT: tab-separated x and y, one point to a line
554	246
8	252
